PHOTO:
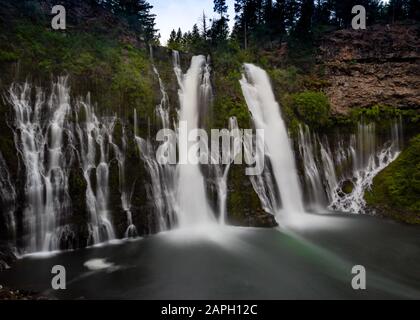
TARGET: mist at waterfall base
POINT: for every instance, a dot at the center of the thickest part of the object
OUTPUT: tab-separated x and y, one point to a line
196	255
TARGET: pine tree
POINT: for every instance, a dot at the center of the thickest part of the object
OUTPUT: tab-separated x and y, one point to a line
220	7
414	9
219	31
397	10
304	24
279	20
196	39
179	40
137	14
172	40
322	13
249	17
204	26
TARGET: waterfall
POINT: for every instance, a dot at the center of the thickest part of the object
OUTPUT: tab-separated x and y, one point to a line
177	68
222	174
172	186
307	149
259	96
193	208
369	158
161	193
348	172
7	199
96	135
39	132
330	176
125	191
162	176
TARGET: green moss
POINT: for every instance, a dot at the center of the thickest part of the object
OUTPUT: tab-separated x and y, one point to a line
229	100
377	112
285	80
134	82
397	189
348	187
118	75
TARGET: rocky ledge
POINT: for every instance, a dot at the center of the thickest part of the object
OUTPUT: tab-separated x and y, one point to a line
379	65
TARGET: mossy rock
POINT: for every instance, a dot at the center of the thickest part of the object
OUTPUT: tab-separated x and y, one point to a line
347	187
243	205
396	190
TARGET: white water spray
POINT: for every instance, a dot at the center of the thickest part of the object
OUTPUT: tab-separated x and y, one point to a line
193	208
39	134
96	135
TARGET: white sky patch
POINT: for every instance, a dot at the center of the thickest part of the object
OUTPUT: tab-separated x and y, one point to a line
174	14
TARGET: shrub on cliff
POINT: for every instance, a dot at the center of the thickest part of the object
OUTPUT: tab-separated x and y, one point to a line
311	107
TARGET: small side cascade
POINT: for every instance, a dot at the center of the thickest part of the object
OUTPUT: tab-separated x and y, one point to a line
40	129
308	144
222	171
95	137
369	158
346	173
125	190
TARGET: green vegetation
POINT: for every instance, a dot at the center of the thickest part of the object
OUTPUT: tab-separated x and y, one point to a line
118	75
229	100
396	190
312	107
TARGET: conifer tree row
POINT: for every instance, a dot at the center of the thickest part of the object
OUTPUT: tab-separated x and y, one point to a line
269	22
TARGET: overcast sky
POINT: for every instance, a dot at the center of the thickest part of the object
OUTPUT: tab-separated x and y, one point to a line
174	14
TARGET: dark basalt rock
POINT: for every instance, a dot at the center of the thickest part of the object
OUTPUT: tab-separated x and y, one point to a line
7	257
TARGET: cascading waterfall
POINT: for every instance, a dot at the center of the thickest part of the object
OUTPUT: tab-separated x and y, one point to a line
307	149
126	192
39	134
177	68
193	207
95	135
369	159
330	175
158	184
162	175
353	165
222	174
48	139
265	111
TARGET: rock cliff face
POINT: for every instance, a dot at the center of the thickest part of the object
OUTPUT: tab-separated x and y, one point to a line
380	65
